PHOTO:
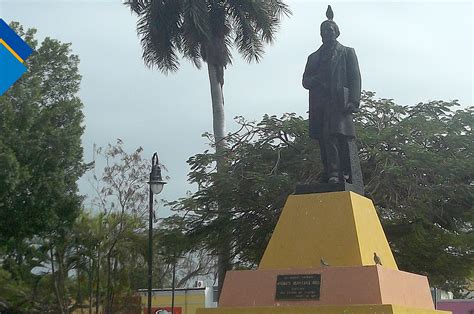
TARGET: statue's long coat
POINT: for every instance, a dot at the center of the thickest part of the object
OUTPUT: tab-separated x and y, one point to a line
328	114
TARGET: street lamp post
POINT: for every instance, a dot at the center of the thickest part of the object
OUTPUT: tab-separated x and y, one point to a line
156	186
172	286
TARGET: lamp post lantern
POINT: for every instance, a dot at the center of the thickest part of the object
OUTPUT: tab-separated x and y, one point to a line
156	186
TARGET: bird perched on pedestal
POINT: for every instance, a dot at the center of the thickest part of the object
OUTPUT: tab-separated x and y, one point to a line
377	259
323	262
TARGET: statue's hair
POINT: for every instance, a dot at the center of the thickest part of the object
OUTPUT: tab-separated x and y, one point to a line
330	22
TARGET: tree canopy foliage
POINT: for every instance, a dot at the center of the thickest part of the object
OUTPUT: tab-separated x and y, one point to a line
40	163
40	143
418	168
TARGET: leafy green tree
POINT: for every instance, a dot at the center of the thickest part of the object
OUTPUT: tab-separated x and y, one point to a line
40	140
184	255
121	197
40	163
12	293
86	237
418	168
122	200
207	30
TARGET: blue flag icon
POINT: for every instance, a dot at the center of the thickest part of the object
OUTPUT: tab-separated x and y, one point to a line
13	53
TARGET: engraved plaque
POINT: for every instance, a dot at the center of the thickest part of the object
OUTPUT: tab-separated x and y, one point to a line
298	287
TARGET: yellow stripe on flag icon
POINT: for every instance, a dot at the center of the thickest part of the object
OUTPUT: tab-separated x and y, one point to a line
2	42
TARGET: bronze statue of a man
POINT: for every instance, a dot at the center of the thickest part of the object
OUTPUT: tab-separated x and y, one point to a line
333	79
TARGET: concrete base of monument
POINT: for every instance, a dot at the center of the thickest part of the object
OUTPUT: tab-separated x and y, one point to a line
324	309
358	289
336	286
342	231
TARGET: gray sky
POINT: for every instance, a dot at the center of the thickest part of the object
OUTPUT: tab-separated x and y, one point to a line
409	51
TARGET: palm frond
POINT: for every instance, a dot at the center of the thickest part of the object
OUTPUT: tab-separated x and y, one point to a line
191	45
205	30
159	27
217	51
260	15
255	22
246	39
195	29
280	8
137	6
196	14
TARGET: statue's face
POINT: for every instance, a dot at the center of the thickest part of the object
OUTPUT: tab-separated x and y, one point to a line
328	33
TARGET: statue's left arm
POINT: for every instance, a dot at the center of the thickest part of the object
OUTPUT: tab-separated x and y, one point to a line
353	77
310	80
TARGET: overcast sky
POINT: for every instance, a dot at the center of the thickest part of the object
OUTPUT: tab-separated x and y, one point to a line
409	51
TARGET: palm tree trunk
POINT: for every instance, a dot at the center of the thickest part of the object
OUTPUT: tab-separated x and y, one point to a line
216	82
217	97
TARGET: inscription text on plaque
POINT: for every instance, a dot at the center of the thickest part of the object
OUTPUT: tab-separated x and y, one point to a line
298	287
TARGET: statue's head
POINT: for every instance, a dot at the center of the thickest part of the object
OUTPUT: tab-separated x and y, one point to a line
329	28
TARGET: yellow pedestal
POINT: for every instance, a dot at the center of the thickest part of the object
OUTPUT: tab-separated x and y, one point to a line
340	227
328	309
343	229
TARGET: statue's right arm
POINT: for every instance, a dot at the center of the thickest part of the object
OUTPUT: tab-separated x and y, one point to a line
309	79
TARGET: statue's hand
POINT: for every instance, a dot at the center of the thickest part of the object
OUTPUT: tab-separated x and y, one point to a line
351	108
310	82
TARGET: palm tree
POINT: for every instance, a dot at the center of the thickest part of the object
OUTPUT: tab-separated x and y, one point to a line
206	31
